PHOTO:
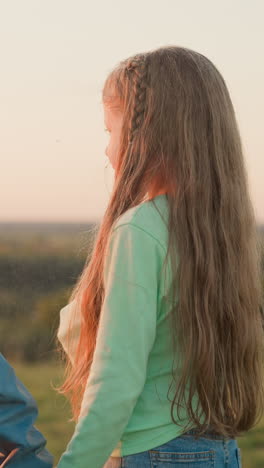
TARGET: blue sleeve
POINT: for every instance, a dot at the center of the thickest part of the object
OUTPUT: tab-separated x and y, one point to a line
125	337
18	411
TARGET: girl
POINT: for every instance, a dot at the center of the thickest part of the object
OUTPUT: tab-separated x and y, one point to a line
174	278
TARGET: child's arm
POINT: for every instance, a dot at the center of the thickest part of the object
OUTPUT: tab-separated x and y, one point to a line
21	444
126	334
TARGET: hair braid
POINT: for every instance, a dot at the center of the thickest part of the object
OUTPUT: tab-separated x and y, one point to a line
139	85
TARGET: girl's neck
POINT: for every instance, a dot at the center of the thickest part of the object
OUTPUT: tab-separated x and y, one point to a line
151	195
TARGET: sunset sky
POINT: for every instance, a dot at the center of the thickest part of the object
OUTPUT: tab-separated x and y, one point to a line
55	56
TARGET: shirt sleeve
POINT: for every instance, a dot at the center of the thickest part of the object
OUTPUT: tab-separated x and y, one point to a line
126	334
22	445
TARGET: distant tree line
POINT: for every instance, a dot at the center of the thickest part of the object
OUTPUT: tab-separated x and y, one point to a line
35	283
33	289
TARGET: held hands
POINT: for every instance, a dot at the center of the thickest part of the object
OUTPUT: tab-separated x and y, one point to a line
7	458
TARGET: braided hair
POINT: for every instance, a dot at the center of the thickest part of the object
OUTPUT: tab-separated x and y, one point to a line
137	71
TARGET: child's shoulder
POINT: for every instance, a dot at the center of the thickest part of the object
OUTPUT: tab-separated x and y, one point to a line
148	216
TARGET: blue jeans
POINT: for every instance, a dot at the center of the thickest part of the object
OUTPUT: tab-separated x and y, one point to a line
186	451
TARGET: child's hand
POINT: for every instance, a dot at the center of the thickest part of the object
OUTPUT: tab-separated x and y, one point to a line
10	455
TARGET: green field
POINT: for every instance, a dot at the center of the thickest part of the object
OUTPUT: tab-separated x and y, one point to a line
54	414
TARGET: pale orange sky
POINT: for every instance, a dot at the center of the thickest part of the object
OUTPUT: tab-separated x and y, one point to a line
55	56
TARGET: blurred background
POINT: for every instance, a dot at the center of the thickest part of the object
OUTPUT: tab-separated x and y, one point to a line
54	182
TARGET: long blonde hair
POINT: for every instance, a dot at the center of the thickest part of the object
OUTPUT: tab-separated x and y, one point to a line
180	130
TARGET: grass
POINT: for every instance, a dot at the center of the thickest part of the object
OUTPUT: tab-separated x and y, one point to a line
54	413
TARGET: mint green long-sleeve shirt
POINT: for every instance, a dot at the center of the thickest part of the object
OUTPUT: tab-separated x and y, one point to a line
125	408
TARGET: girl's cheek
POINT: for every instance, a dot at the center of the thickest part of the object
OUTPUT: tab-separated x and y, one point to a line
112	152
112	149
